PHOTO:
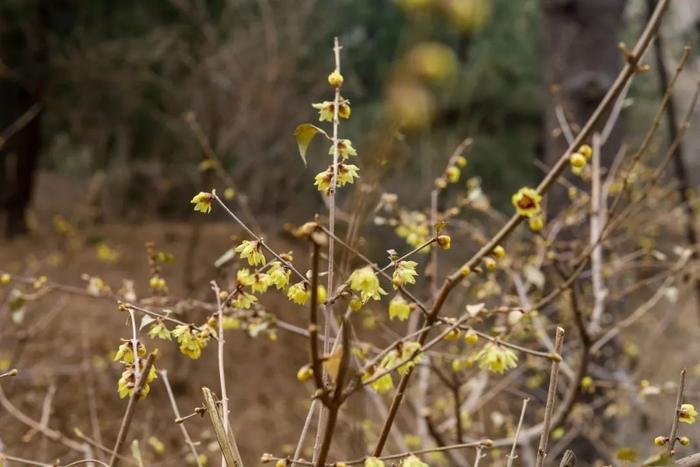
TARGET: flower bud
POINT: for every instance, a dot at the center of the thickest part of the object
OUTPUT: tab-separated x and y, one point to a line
577	160
335	79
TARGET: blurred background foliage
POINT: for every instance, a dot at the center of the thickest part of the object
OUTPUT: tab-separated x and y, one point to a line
121	77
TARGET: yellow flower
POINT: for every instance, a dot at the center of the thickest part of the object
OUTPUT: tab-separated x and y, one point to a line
444	242
326	110
252	251
157	283
322	294
399	308
413	461
244	300
471	337
305	373
527	202
453	174
335	79
244	277
577	160
453	335
586	150
5	279
191	340
490	263
347	173
345	149
202	202
381	385
279	275
499	252
687	414
536	223
261	281
660	440
374	462
461	161
405	273
365	281
231	322
497	358
299	293
412	351
158	330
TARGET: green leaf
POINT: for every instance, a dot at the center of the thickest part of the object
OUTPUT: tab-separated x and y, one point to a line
304	134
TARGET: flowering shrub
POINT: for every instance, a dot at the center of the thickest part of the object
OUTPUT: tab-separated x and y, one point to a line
486	322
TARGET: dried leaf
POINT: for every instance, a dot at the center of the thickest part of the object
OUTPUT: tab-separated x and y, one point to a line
304	134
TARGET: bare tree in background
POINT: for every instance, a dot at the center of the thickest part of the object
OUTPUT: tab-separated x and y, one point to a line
23	70
581	60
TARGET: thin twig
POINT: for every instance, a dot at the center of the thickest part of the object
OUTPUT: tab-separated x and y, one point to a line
176	412
551	397
676	414
512	455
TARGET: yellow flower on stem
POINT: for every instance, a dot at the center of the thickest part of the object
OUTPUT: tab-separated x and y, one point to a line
405	273
453	174
335	79
326	110
299	293
202	202
497	358
399	308
345	149
252	251
687	414
527	202
279	275
347	173
244	300
365	281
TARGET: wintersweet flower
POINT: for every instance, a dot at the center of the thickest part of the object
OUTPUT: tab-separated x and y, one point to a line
252	251
365	281
326	110
374	462
159	330
497	358
345	149
202	202
299	293
413	461
335	79
381	385
405	273
687	414
279	275
527	202
347	173
399	308
244	300
453	174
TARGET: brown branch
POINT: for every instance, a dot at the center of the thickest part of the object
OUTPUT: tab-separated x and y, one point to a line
551	396
227	442
676	414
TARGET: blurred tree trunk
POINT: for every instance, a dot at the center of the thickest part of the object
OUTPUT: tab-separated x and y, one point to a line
24	55
582	59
